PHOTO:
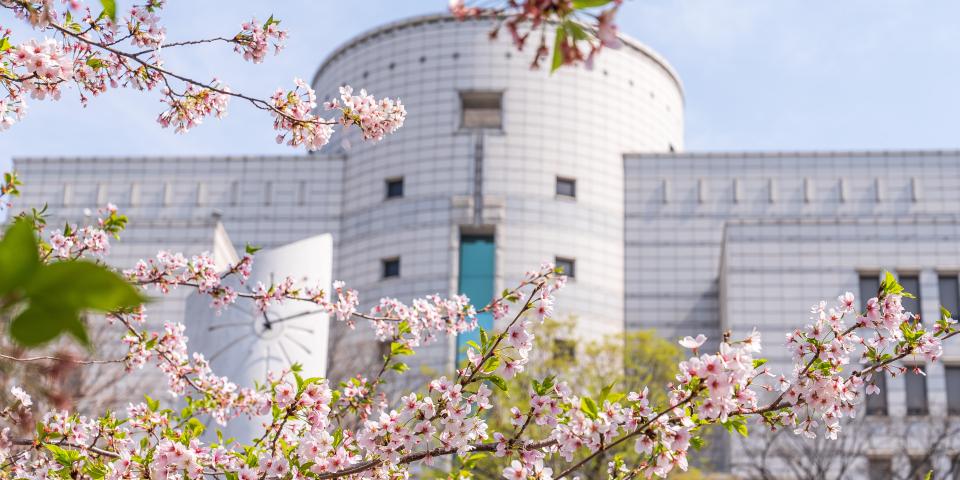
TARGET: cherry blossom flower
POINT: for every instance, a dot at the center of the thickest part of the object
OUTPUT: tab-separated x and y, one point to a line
693	343
21	395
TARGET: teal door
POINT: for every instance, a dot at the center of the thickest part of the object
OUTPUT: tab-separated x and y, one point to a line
477	257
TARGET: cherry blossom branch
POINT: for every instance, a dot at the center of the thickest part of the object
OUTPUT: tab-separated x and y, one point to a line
58	359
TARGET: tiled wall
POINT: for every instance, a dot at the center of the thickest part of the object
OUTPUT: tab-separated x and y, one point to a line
737	241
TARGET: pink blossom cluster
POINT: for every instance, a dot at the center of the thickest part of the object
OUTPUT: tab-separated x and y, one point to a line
45	65
254	39
726	377
75	242
168	351
818	392
12	108
144	27
424	318
189	109
170	270
376	118
293	117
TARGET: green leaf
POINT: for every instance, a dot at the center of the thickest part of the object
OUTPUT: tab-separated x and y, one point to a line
696	443
575	30
758	362
605	393
251	249
589	407
498	381
558	41
83	285
399	367
40	323
19	259
109	9
95	469
152	404
4	44
400	349
944	313
63	456
581	4
95	62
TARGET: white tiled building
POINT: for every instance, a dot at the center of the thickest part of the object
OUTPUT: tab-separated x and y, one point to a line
499	168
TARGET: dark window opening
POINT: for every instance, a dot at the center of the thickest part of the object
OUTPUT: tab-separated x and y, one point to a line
391	267
879	468
567	266
877	402
916	391
952	374
564	349
950	293
566	187
394	187
481	109
869	286
911	284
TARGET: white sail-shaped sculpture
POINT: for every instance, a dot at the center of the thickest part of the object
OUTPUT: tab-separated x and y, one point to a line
244	344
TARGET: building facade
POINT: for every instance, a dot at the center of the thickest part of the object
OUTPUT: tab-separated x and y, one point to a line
499	168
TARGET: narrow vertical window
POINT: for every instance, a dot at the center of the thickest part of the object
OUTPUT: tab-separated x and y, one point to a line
952	374
877	402
567	266
916	391
476	280
394	187
911	284
481	109
950	293
566	187
391	267
869	286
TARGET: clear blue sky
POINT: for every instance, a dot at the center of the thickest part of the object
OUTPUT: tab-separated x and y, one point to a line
759	75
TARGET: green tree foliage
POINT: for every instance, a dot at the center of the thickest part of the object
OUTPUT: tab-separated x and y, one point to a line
627	361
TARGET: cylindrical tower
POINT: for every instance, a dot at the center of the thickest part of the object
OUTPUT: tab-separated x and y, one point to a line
498	167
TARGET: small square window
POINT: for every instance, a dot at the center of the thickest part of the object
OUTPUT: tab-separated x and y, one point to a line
391	267
567	266
879	468
566	187
481	109
564	349
394	187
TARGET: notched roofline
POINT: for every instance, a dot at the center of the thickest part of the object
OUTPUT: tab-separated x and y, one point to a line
797	154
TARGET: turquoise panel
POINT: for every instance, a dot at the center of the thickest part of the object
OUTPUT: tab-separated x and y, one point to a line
477	257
